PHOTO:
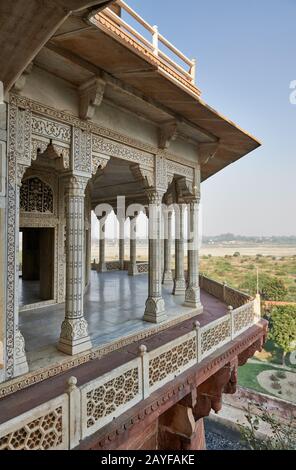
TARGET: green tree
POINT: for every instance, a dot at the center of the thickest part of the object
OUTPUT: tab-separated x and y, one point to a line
270	287
283	328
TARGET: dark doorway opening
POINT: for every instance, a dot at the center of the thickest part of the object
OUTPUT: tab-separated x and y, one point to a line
37	265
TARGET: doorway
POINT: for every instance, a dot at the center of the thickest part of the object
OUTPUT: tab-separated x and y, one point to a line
36	265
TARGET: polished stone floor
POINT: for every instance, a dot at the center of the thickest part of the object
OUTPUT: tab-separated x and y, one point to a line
28	292
113	307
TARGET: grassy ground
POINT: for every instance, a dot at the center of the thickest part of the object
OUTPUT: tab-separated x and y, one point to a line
247	376
234	269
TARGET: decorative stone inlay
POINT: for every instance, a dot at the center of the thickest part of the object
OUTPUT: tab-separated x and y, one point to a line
18	149
42	428
120	150
36	196
51	129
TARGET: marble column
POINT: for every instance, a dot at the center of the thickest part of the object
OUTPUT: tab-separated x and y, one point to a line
74	336
132	267
20	360
179	281
155	306
121	244
102	255
192	295
167	274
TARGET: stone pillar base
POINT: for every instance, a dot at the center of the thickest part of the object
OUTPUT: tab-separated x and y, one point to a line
74	337
155	310
132	270
192	298
179	287
121	265
102	268
167	277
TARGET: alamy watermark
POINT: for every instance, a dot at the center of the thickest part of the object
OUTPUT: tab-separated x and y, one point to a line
159	215
293	92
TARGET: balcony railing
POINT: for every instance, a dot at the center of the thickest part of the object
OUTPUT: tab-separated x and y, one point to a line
185	69
63	422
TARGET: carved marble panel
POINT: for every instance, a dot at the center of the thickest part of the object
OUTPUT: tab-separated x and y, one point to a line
82	150
115	149
51	129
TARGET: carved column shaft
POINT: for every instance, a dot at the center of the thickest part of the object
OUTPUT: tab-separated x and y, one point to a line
167	275
102	255
74	333
132	269
155	307
121	244
192	296
179	282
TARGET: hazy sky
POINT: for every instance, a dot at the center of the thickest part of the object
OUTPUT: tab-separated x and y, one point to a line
246	54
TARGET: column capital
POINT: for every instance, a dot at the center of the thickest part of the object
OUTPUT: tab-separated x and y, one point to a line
75	185
154	195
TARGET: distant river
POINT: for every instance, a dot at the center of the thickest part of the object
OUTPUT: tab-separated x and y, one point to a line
249	250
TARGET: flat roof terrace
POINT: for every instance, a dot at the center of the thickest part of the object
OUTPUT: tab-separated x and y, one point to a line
113	307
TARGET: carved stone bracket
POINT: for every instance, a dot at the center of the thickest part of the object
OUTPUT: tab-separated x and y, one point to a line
250	351
167	134
143	174
98	162
21	81
209	393
91	95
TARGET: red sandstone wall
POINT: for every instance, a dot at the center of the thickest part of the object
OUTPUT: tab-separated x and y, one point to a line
144	439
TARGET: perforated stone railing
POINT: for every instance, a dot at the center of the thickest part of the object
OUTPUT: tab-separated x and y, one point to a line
42	428
113	265
109	396
227	294
142	266
62	423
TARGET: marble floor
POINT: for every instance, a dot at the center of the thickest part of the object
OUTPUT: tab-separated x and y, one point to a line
29	292
113	307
